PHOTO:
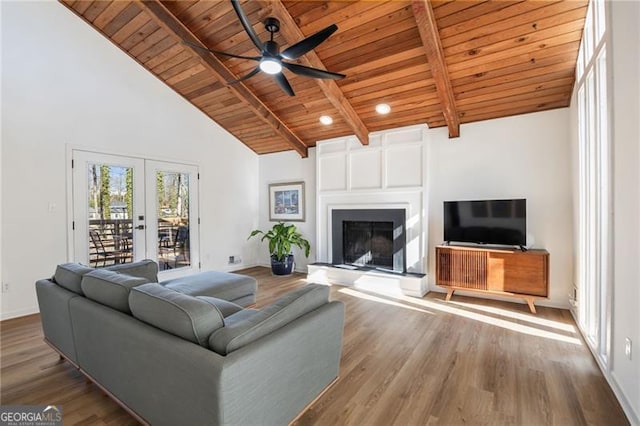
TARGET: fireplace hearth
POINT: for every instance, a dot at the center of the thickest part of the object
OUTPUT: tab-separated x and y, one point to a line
369	237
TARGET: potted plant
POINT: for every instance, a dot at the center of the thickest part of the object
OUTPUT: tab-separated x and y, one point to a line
282	238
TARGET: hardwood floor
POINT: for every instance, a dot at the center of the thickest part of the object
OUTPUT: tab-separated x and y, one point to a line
405	361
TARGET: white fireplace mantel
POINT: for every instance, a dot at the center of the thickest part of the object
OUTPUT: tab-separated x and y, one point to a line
388	173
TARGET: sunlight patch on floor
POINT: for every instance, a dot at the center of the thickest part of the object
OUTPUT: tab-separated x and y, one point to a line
365	296
383	296
519	316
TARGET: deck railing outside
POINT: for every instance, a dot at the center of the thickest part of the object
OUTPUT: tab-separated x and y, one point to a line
116	237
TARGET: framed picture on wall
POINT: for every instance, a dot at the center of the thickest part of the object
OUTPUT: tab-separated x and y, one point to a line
286	202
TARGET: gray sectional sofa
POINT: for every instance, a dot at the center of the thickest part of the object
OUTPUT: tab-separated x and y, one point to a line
186	351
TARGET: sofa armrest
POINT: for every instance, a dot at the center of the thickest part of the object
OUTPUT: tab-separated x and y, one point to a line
284	371
53	302
270	318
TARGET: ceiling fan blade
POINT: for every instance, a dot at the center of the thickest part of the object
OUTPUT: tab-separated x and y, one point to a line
284	84
309	43
312	72
253	58
246	24
255	71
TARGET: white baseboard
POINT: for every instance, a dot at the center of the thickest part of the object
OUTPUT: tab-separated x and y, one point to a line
610	377
239	266
19	313
632	416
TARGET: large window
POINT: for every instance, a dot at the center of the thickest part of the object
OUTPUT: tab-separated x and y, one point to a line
594	180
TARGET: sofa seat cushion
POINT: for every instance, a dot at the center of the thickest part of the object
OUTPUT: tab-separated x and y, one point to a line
182	315
110	288
226	308
237	334
69	276
222	285
144	269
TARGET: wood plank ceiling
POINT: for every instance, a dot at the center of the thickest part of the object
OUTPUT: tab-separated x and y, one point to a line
439	62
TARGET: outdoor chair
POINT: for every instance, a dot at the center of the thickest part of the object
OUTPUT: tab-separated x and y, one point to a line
104	254
178	248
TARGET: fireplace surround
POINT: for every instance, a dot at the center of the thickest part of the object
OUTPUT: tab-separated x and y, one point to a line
389	173
369	237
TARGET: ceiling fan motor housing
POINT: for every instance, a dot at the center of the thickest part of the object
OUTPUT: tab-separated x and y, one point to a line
270	48
272	25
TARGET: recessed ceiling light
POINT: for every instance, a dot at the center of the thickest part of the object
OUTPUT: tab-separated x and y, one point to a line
383	109
326	120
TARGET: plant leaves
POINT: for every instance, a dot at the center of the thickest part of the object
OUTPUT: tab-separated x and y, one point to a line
281	239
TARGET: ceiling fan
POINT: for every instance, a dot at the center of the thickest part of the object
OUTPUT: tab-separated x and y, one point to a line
271	60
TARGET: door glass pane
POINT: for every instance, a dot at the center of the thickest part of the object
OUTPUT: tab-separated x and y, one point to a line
172	204
110	212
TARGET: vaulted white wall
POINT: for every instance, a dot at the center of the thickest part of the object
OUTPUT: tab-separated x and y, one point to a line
525	156
64	84
288	167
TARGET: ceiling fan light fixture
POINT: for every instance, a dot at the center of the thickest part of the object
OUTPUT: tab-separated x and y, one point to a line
326	120
383	109
270	66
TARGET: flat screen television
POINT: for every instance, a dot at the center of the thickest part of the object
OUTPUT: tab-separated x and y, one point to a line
500	222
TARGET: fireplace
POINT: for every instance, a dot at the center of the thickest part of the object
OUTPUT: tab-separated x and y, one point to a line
369	237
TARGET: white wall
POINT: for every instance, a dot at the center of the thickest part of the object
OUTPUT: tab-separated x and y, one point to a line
526	156
65	84
625	57
288	167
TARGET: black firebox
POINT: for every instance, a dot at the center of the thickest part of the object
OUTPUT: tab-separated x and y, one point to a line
369	237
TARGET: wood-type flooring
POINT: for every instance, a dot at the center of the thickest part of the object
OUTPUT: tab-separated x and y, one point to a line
405	361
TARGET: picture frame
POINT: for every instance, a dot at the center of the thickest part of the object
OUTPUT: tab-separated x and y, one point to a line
286	202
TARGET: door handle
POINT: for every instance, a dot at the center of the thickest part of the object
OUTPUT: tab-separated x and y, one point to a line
141	227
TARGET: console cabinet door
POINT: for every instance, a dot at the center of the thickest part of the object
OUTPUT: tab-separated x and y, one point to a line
519	272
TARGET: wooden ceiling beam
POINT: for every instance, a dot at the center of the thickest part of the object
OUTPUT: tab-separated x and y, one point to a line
292	33
428	30
163	17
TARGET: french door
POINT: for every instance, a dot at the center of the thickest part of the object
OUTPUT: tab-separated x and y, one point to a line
127	209
172	202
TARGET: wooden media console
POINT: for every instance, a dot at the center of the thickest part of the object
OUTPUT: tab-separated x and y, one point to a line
511	273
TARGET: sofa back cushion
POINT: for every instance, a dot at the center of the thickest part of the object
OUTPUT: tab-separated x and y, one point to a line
225	308
69	276
110	288
176	313
271	318
144	269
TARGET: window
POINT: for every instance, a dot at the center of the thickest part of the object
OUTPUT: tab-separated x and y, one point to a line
593	177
